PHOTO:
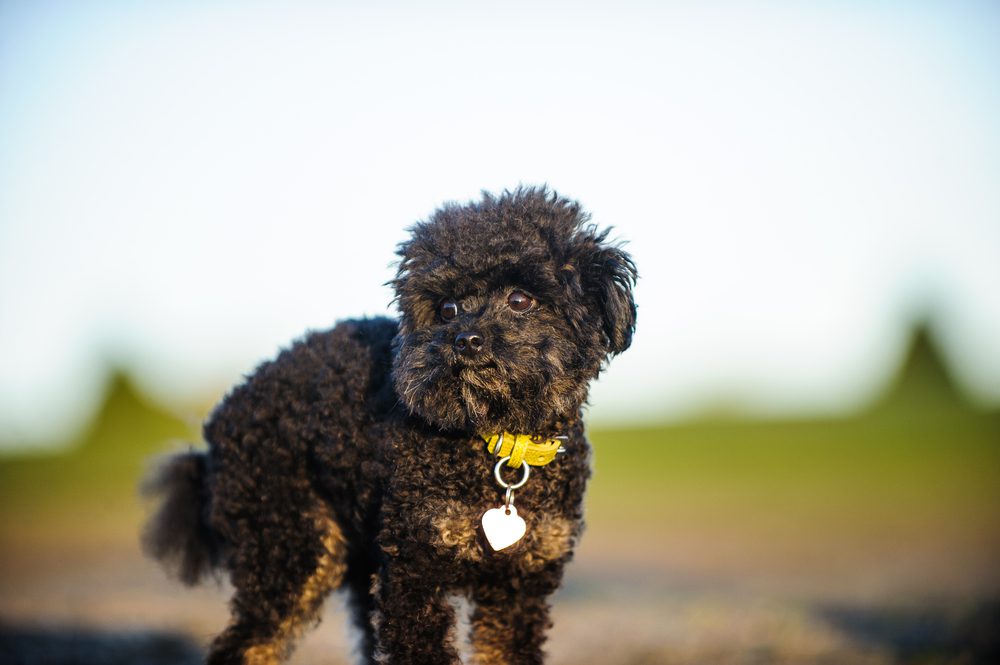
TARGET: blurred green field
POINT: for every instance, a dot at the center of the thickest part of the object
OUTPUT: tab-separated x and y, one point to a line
930	470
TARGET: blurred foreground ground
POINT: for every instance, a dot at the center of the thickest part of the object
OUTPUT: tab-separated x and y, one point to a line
114	608
873	539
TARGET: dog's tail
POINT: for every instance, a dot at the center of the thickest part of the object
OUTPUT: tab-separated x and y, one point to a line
178	535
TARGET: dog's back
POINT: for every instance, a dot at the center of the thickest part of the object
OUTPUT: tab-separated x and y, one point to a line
328	390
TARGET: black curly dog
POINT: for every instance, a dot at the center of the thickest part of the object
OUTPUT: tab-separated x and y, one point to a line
356	458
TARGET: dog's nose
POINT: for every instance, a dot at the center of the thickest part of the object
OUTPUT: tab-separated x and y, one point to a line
468	343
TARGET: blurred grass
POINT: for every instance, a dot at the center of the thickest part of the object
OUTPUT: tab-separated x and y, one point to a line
851	471
920	457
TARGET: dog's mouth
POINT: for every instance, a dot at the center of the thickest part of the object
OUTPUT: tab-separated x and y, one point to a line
482	381
462	367
459	362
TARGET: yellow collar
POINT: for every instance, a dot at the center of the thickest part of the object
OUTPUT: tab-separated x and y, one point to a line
522	448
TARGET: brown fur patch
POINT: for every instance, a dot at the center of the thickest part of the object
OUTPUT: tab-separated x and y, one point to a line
490	642
549	538
456	528
330	569
263	654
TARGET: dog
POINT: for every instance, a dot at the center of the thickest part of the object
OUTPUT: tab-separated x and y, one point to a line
407	461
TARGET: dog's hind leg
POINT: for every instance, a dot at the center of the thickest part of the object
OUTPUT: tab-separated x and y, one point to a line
282	574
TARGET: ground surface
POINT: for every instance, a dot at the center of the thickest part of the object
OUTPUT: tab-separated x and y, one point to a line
114	607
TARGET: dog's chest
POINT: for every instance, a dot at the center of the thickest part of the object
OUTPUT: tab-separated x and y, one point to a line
449	488
456	533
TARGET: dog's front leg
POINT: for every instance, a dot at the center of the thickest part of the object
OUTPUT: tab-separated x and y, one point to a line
509	623
414	622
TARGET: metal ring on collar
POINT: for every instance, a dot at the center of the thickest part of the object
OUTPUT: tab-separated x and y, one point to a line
508	499
504	483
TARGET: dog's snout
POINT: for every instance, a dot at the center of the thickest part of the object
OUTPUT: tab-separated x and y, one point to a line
468	343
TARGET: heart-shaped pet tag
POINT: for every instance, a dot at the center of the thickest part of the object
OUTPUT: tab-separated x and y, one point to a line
503	527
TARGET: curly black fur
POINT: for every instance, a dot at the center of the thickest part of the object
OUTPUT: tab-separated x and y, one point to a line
353	460
178	534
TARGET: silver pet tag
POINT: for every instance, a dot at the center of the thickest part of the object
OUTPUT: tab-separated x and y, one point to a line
503	527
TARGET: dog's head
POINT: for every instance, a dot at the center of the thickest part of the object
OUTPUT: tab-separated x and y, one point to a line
509	307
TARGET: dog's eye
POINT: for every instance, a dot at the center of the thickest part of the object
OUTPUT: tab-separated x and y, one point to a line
448	310
519	302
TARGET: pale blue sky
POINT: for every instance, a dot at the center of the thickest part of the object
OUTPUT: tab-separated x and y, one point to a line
186	186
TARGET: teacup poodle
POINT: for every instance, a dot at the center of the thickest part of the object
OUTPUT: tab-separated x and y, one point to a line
411	460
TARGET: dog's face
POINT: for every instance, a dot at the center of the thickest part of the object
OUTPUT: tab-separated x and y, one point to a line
509	307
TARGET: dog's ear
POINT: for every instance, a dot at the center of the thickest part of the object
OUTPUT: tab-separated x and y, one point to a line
608	274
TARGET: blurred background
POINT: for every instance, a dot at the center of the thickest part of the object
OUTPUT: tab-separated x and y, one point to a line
798	461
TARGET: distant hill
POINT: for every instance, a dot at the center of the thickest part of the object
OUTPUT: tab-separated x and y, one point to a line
923	384
99	469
